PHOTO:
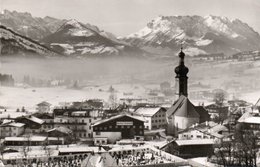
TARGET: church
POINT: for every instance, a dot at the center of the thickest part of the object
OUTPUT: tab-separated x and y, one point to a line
183	114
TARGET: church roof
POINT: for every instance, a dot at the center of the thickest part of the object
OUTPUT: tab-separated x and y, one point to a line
183	108
204	115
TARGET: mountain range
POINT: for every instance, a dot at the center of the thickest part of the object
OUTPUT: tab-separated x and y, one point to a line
163	36
199	35
75	38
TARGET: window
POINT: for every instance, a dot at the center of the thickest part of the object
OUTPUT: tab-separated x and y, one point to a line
89	127
89	120
105	128
97	133
110	127
60	120
82	120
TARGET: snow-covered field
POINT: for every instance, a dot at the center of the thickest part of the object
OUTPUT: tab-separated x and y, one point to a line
16	97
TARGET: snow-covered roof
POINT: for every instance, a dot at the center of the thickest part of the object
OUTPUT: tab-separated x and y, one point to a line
116	117
103	159
61	129
147	111
246	115
14	124
30	154
32	138
252	120
194	142
78	113
35	119
80	149
127	147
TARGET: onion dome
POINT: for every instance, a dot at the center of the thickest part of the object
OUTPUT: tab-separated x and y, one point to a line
181	70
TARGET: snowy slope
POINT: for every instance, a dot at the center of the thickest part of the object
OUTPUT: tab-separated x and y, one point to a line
209	34
75	38
12	43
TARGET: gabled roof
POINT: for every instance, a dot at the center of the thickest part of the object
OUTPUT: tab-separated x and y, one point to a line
183	108
147	111
210	128
60	129
13	124
33	119
116	117
41	115
245	116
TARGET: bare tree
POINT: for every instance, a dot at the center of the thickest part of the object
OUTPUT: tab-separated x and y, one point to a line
26	146
47	149
239	151
219	98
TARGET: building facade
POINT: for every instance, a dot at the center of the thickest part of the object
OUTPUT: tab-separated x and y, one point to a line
11	129
154	117
117	127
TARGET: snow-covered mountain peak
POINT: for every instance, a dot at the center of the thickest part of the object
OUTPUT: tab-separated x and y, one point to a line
74	23
209	34
220	24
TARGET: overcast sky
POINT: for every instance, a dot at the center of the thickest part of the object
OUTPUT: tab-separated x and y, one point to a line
123	17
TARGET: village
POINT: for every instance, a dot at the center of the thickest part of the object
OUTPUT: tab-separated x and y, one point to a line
134	131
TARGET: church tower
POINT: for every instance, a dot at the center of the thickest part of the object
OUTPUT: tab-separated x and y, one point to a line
181	79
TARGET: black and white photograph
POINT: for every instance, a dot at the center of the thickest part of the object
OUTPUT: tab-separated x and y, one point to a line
129	83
